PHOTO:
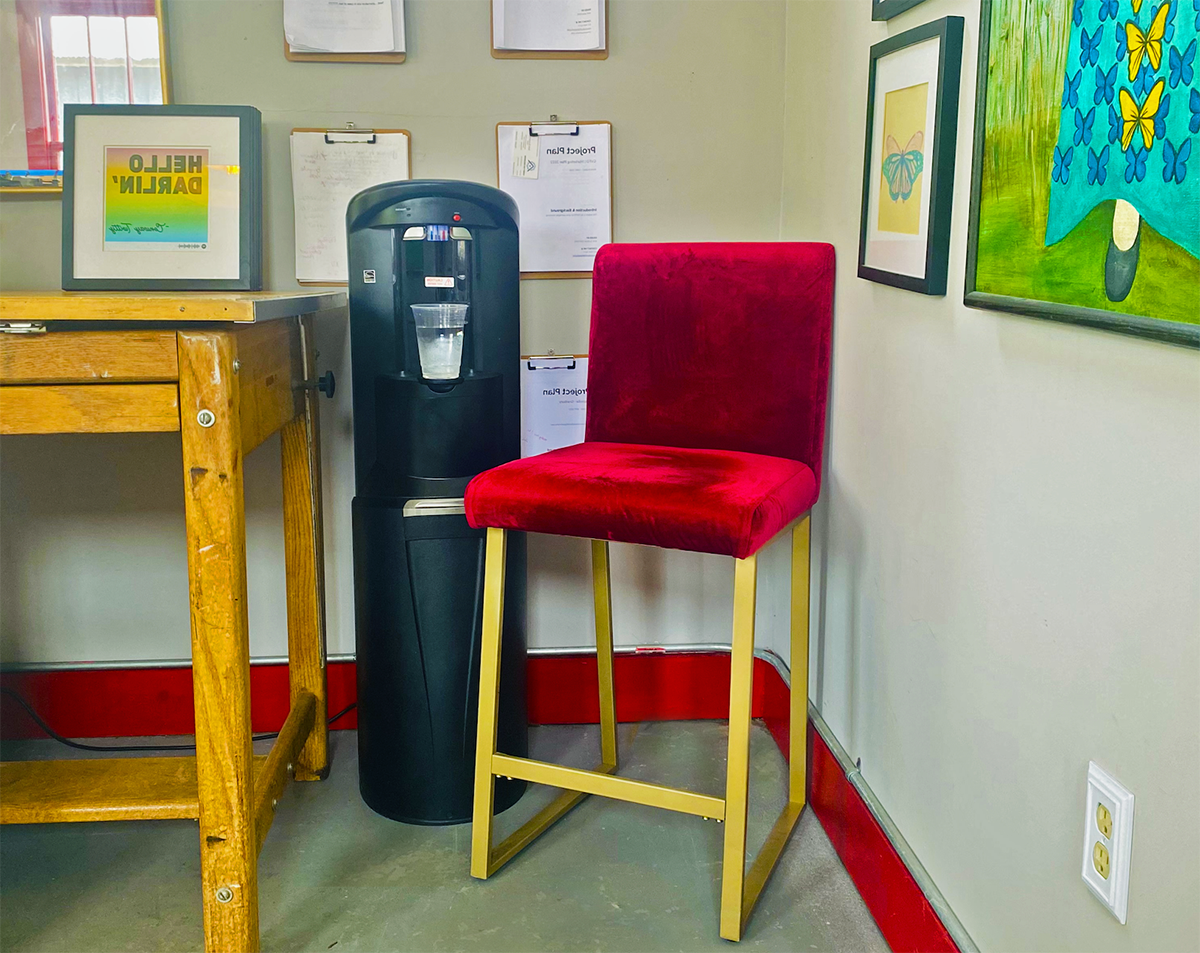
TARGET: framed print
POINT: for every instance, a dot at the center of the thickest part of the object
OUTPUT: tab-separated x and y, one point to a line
73	51
162	198
908	165
886	9
1085	186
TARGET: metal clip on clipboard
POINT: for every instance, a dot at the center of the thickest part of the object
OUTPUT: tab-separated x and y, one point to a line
557	362
351	134
554	128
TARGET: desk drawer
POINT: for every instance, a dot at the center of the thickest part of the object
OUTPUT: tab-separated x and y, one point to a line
88	357
89	408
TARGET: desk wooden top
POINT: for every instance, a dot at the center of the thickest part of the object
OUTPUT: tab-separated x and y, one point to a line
177	308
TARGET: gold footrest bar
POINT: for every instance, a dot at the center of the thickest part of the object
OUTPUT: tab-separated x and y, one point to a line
537	825
768	857
605	785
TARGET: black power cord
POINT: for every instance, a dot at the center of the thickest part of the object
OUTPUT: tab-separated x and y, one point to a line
85	747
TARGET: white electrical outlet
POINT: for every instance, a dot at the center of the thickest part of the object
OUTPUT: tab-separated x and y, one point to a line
1108	840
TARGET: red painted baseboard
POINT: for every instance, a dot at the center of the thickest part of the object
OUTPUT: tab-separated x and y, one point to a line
562	690
129	702
116	703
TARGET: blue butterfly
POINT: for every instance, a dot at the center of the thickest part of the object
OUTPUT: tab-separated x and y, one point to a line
1083	126
1181	64
1097	166
1105	85
1122	42
1089	49
1196	7
1077	13
1135	164
1175	160
901	167
1062	165
1169	27
1160	117
1108	8
1071	91
1144	80
1194	106
1114	124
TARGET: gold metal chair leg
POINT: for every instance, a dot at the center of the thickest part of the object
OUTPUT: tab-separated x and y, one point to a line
489	701
737	781
484	859
738	895
798	717
602	596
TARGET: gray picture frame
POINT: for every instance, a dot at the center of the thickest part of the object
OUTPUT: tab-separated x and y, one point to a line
250	230
940	178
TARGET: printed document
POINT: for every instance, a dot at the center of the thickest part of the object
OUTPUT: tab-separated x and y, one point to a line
548	24
566	211
344	26
325	176
553	402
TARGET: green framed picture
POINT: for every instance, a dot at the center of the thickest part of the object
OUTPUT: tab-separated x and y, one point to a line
1085	190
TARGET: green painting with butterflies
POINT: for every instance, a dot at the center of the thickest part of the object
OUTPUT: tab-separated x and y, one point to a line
1086	197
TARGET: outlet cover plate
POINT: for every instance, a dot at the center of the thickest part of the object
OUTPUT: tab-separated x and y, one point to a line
1113	891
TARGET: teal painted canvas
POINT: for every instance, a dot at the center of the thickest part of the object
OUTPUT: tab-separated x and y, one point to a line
1086	188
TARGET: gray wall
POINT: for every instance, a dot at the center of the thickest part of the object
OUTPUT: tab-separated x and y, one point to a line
692	90
1012	511
13	154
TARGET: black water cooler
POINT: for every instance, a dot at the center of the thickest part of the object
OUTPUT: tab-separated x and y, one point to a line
418	441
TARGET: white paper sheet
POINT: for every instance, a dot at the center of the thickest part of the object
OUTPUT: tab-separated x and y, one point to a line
553	402
548	24
325	177
566	212
344	26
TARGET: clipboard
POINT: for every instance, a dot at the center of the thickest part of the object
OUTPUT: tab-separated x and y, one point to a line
601	54
333	137
555	128
553	401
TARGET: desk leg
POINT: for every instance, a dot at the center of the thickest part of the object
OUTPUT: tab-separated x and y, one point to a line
305	558
216	537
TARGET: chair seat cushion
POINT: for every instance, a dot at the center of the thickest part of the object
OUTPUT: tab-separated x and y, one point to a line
708	501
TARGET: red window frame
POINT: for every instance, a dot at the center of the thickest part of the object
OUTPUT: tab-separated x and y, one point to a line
39	85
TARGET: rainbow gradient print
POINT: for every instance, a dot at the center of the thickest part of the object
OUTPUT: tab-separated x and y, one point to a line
155	198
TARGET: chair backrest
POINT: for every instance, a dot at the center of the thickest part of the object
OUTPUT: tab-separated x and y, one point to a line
720	346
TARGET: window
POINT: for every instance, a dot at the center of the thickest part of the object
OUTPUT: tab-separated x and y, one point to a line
83	51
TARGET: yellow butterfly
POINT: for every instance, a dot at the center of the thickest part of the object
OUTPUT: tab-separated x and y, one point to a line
1139	117
1137	6
1148	44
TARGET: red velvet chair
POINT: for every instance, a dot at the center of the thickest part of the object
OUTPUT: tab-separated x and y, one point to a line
707	383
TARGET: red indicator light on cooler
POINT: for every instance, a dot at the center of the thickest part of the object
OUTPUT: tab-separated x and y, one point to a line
457	217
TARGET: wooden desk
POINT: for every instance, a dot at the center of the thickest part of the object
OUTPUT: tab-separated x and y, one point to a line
225	371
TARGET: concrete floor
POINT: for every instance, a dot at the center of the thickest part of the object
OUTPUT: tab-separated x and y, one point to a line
335	876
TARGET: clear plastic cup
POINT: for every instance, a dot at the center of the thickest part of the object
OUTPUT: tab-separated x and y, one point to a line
440	338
